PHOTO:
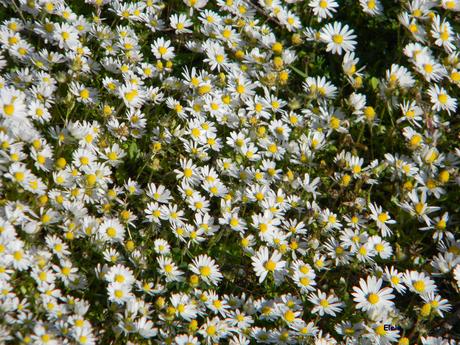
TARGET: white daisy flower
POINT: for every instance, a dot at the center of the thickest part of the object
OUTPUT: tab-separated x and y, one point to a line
66	36
119	274
162	247
419	282
431	70
320	87
119	293
180	23
323	8
325	304
372	7
399	76
111	230
169	269
435	303
132	95
264	263
338	38
418	206
206	269
12	104
162	49
381	218
184	306
381	247
370	297
443	34
160	194
379	334
441	99
395	279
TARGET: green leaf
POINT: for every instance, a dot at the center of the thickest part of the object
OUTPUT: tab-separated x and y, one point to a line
374	83
133	150
298	71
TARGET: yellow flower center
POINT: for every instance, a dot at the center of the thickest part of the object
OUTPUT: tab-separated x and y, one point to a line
415	140
442	98
334	122
419	208
45	218
8	109
240	89
380	330
324	303
289	316
277	47
369	112
130	95
205	271
455	76
383	217
84	160
42	276
273	148
441	225
338	39
413	28
419	286
66	271
162	50
373	298
17	255
211	330
270	265
304	281
111	232
19	176
428	68
431	156
217	303
119	278
444	35
84	94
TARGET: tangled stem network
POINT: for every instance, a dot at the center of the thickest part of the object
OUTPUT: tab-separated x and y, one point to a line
229	172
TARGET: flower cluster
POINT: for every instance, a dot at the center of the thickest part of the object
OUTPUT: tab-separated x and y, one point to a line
229	172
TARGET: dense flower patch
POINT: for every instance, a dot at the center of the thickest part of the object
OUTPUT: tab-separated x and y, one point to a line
229	172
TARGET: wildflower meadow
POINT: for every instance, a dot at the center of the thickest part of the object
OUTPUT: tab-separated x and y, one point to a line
233	172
